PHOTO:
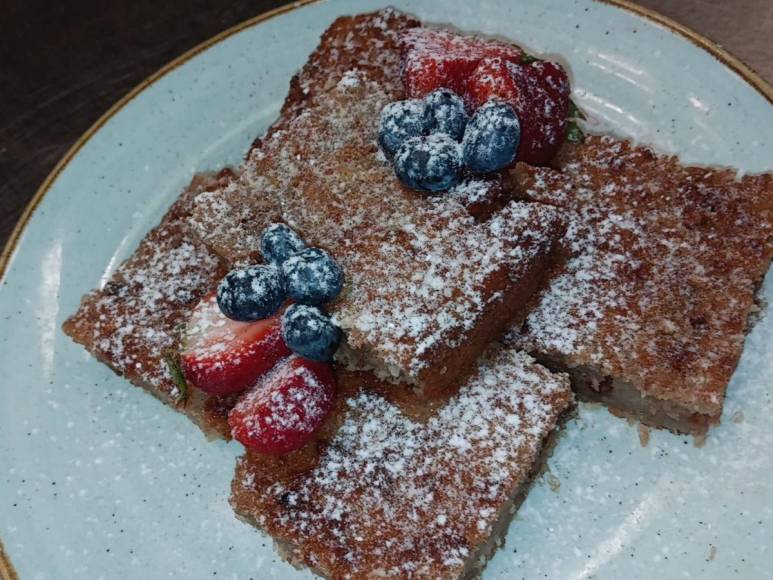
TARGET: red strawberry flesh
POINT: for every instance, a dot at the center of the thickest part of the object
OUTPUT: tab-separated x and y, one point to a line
223	356
542	108
491	79
439	58
482	69
285	408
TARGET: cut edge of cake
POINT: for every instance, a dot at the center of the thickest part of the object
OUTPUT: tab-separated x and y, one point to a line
650	311
132	324
433	490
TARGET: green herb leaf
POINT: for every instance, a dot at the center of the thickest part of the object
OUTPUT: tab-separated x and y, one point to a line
173	363
573	133
575	112
529	58
179	329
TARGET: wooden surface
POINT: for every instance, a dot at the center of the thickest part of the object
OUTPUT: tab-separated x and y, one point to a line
62	64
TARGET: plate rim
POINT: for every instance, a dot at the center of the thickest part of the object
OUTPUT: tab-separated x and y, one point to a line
725	57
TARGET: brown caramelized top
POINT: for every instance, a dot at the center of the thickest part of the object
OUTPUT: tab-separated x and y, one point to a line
420	270
393	490
665	262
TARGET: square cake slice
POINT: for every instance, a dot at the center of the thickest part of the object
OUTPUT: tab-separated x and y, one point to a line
133	321
429	283
399	489
649	313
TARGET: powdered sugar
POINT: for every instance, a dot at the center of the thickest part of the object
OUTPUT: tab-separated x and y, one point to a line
135	318
287	403
404	496
350	79
665	262
419	270
588	287
474	191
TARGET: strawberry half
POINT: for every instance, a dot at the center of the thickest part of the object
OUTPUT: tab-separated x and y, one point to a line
491	79
539	93
222	356
285	408
439	58
542	108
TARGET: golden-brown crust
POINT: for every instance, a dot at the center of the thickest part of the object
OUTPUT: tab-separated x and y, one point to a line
428	285
132	323
346	44
666	262
396	489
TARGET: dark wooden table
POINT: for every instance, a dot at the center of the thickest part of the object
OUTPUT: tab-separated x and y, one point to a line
62	64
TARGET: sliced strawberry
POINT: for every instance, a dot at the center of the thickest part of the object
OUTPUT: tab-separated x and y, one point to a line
491	79
439	58
424	73
481	69
542	107
538	91
222	356
285	408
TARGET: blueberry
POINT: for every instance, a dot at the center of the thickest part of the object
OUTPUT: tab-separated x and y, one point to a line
278	242
309	332
444	113
491	138
312	277
399	121
251	293
432	163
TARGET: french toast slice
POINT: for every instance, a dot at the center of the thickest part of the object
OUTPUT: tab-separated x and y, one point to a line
429	283
397	488
649	313
497	427
351	43
133	322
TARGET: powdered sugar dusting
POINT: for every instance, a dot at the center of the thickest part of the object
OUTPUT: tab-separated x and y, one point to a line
665	261
350	79
135	318
472	191
425	52
399	496
292	401
419	269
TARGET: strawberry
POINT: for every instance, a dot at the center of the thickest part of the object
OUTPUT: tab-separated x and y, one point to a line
433	59
222	356
424	73
539	93
481	69
285	408
542	107
491	79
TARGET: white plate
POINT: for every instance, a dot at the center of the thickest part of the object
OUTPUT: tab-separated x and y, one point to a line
97	479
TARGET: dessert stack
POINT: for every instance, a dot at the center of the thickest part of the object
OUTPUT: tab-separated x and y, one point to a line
389	302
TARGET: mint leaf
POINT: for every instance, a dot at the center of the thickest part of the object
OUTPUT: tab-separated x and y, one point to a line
575	112
173	363
573	133
529	58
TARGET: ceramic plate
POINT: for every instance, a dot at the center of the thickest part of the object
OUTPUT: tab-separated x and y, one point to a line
97	479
